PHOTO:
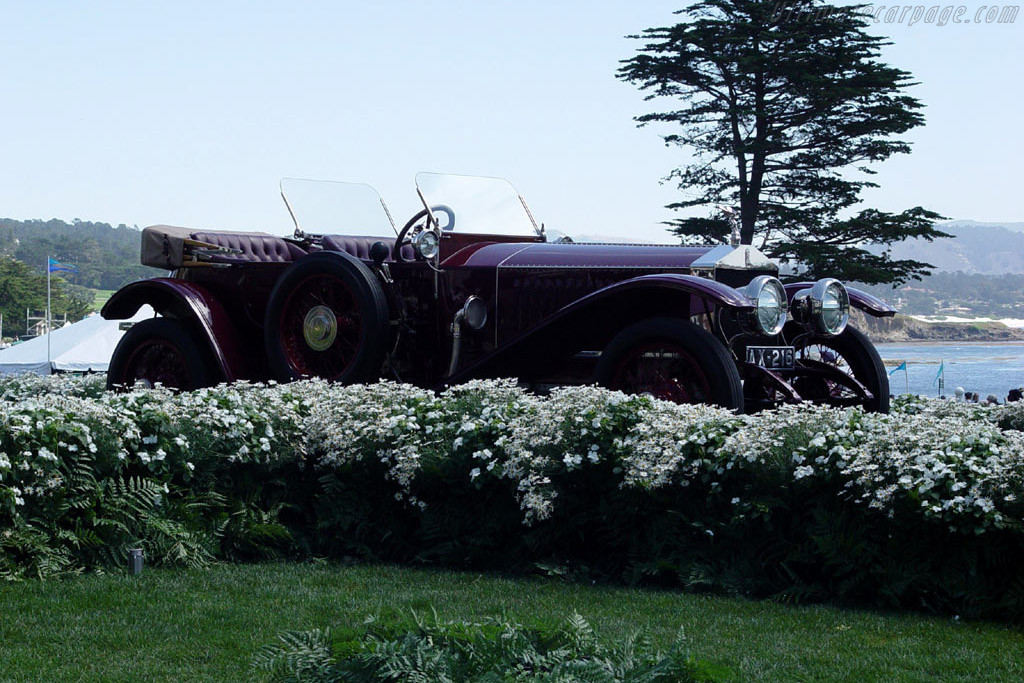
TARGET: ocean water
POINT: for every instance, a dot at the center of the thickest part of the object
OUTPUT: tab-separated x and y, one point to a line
980	367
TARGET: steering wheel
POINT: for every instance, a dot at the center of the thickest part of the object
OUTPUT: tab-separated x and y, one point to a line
412	228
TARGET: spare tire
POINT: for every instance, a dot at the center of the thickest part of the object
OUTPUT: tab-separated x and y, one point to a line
327	317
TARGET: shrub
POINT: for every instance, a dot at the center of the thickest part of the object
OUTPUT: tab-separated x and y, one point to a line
921	507
182	476
1011	416
494	650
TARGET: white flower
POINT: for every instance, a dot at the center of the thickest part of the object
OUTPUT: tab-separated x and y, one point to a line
803	471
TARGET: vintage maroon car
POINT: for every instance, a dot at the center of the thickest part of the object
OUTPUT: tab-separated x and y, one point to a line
470	287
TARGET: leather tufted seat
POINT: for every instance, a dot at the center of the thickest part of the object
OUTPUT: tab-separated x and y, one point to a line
360	246
254	247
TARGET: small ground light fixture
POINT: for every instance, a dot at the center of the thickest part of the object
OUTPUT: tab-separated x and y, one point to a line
135	561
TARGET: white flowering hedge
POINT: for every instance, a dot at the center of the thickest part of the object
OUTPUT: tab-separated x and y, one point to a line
806	498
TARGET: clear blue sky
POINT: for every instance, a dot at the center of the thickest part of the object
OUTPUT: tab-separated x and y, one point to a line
188	113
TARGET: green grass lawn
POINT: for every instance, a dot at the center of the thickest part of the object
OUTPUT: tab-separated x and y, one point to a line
102	295
177	625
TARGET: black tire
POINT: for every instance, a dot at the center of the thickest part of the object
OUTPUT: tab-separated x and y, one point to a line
671	359
327	317
855	354
164	351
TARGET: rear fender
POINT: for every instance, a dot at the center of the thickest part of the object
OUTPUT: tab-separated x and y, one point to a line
868	303
591	321
190	303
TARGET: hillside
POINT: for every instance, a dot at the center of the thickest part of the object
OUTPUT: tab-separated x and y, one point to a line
992	296
106	257
977	248
1013	227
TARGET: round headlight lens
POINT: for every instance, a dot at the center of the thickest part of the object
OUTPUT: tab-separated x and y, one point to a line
474	312
770	304
427	244
835	308
823	308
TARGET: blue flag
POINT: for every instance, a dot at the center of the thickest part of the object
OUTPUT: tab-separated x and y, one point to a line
942	367
57	267
902	366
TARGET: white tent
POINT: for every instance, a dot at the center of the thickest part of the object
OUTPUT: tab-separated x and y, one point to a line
83	346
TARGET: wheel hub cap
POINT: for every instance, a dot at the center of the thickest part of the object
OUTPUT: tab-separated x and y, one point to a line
320	328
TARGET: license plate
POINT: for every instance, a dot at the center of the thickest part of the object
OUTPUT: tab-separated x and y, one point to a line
772	357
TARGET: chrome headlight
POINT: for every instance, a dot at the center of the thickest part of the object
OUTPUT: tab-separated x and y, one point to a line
823	308
474	312
770	304
427	244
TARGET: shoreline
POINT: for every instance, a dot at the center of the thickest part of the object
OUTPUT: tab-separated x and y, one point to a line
908	329
1012	323
947	342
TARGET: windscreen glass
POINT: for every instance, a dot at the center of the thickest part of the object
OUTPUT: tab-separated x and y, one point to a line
471	204
324	207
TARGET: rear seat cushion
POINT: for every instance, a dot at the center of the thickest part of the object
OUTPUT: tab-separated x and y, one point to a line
360	246
254	246
265	248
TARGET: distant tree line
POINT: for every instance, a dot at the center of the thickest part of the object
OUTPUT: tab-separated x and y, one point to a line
994	296
106	257
23	287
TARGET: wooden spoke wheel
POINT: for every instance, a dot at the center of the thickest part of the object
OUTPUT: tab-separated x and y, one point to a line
673	360
825	363
160	351
327	317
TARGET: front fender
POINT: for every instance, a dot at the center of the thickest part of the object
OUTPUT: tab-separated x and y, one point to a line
708	291
868	303
591	321
654	295
190	303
